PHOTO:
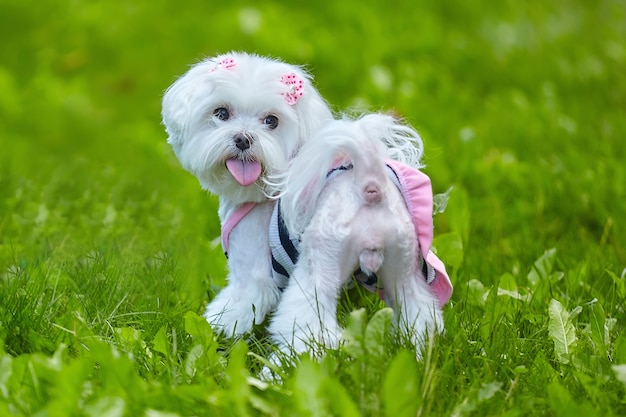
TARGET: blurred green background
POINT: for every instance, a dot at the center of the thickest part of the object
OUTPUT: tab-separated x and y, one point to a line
521	105
107	245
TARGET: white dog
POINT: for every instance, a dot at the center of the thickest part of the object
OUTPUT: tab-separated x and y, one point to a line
353	202
235	121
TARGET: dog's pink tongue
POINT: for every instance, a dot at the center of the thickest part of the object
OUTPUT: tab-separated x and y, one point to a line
244	172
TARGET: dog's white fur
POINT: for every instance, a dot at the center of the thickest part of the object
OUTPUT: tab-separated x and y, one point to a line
251	90
356	219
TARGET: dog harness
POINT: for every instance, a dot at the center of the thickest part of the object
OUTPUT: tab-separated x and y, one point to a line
416	190
239	213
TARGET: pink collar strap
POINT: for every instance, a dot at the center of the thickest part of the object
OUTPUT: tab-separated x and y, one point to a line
231	222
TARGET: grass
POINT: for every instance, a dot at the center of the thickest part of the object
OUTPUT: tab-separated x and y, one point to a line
107	247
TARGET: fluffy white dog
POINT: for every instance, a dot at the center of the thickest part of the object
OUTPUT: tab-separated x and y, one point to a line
354	201
234	121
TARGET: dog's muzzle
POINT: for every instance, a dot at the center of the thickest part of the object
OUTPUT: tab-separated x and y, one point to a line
243	141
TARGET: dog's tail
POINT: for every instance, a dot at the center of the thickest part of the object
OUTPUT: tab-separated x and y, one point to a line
361	145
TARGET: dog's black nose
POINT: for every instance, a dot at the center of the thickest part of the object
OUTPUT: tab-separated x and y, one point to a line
242	141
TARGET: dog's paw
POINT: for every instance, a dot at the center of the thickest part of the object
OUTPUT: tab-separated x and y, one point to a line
235	310
229	319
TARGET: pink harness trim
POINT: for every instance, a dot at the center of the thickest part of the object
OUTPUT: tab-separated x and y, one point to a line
417	192
418	195
231	222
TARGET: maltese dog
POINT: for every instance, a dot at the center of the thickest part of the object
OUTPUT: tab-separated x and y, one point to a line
235	121
354	204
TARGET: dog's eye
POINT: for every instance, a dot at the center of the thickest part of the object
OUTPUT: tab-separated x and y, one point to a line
221	113
271	121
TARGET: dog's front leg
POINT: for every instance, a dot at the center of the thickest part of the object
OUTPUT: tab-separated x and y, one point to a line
251	292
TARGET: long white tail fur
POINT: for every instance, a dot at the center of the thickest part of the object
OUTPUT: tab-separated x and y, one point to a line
365	142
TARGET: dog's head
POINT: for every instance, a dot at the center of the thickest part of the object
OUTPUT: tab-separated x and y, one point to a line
236	120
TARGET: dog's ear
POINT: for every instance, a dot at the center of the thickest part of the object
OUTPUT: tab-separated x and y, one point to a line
175	110
180	102
312	110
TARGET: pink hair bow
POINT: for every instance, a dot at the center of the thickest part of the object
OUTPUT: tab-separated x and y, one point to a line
224	63
295	88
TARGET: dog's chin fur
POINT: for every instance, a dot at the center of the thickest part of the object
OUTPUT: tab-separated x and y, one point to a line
250	90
